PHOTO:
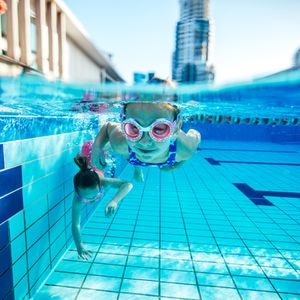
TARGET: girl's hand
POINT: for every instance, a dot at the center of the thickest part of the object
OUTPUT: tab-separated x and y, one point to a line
99	162
111	208
83	253
101	159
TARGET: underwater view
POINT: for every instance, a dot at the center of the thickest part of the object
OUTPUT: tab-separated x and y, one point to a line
116	191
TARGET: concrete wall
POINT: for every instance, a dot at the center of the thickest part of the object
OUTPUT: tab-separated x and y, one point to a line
80	68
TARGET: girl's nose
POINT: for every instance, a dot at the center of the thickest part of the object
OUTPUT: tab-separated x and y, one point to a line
146	140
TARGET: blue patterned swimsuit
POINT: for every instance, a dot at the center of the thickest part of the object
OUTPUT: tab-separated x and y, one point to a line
170	161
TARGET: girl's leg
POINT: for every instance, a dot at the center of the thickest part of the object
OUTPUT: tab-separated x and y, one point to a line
138	174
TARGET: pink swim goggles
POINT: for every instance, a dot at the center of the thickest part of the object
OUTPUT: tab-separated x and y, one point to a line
158	130
97	197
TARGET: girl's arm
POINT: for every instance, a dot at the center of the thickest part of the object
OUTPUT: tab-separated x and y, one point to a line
124	188
109	132
84	254
102	138
187	144
138	174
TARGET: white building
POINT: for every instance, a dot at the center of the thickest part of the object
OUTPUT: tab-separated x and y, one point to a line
44	36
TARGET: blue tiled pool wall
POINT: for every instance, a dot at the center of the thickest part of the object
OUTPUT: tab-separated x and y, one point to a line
36	179
14	128
246	132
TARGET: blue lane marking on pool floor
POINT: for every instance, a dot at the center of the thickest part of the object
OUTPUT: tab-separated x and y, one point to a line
257	197
218	162
192	234
244	150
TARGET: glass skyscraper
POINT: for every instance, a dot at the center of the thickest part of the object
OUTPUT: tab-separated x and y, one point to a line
191	55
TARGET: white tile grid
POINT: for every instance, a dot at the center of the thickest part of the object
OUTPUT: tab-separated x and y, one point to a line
218	204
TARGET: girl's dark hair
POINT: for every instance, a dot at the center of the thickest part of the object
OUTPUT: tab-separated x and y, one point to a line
86	177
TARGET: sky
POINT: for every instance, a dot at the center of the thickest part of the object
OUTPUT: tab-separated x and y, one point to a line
250	38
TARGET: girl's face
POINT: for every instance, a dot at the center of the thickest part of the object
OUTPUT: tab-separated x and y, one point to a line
148	149
90	194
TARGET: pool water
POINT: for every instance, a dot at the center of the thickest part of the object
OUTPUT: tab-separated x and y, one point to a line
224	226
225	230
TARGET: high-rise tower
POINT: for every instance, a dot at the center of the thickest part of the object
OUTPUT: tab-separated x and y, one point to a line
190	58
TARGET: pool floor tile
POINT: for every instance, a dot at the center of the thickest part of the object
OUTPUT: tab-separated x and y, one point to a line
253	283
286	286
178	276
114	249
66	279
143	261
126	296
289	296
179	290
96	295
214	293
202	266
110	258
177	264
282	273
102	283
141	273
140	287
106	270
215	280
246	270
73	266
56	292
258	295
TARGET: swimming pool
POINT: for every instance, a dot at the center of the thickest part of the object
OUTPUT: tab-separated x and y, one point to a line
224	226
